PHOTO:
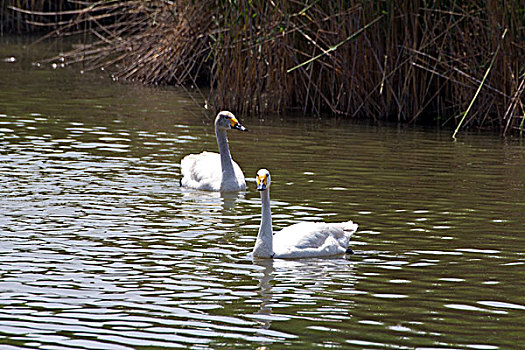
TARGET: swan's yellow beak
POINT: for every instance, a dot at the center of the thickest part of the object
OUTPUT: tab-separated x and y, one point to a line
262	182
236	125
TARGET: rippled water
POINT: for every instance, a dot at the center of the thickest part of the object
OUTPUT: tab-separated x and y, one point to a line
100	248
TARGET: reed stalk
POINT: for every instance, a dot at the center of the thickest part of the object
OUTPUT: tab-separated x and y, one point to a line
489	68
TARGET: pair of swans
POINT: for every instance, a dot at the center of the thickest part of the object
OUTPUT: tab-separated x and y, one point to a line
218	172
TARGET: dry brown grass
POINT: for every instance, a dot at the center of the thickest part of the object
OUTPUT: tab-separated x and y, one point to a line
393	60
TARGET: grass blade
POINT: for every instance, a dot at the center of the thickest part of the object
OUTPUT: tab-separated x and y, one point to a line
479	87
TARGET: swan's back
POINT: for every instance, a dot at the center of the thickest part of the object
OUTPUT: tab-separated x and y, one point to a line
196	170
313	239
199	171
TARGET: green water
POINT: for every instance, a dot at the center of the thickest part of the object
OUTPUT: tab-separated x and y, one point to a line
100	248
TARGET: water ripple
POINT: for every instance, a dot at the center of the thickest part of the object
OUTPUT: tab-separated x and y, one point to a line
100	247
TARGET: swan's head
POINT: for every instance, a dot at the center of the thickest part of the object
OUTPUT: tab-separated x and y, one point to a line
226	120
263	180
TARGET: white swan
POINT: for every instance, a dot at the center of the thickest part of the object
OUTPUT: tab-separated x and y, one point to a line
302	240
213	171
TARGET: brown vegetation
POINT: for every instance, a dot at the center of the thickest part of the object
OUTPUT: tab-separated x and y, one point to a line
393	60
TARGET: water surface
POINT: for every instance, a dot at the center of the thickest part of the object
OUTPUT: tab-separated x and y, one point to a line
100	248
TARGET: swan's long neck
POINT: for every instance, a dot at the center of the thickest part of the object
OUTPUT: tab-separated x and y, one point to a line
264	243
224	150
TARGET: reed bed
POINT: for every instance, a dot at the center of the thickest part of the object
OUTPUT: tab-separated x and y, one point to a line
458	63
28	16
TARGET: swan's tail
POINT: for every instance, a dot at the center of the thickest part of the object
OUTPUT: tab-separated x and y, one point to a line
349	227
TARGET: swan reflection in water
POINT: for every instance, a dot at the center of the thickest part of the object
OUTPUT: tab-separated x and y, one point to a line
283	283
196	200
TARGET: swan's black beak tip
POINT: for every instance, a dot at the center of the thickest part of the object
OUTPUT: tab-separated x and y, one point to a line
239	127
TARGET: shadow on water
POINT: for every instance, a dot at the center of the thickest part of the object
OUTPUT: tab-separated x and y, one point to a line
100	247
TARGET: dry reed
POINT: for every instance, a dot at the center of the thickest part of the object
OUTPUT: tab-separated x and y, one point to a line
389	60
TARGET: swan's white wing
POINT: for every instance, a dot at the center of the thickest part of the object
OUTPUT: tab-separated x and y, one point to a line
204	172
313	239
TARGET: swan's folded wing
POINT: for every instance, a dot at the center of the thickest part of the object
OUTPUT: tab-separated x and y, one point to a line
313	239
199	171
